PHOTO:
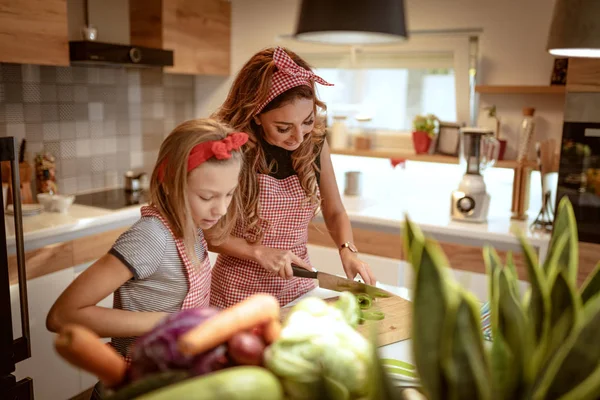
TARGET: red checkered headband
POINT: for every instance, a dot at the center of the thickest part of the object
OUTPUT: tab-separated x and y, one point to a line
219	149
288	75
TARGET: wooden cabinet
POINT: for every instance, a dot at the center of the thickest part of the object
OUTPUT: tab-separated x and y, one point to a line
198	31
583	75
34	32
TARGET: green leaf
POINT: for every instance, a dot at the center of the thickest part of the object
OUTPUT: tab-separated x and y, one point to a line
565	308
539	303
433	300
463	357
591	286
493	266
514	277
512	324
576	360
505	378
567	257
587	390
413	242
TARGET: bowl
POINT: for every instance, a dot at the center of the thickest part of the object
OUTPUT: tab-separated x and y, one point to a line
45	199
61	203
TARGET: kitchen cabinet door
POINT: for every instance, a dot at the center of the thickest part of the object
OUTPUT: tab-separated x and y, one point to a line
198	32
34	32
52	377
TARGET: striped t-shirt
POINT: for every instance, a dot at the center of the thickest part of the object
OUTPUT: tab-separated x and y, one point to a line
159	282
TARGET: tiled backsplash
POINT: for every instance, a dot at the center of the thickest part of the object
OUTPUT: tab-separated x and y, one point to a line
98	122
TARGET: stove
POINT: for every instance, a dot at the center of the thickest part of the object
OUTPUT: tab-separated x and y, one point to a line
113	199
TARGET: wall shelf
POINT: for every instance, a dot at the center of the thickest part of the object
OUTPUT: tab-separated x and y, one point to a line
503	89
411	156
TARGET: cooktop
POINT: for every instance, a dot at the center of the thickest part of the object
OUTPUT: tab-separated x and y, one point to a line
113	199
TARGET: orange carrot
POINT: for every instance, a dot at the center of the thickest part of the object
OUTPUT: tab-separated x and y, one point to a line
83	348
272	331
256	310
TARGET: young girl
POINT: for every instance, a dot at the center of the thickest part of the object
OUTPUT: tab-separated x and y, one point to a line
288	176
161	265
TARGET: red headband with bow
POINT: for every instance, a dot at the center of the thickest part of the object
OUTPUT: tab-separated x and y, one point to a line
288	75
219	149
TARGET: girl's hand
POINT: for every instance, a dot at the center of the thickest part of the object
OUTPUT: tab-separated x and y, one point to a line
279	262
354	266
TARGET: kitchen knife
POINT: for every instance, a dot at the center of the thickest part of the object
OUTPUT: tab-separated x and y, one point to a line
339	284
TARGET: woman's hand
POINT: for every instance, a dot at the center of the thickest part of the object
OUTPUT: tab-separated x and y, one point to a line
354	266
279	262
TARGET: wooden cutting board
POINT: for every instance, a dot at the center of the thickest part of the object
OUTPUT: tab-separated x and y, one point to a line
395	327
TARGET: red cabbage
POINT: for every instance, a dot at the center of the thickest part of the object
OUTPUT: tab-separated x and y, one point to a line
157	351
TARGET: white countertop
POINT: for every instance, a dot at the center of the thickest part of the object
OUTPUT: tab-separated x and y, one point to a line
49	227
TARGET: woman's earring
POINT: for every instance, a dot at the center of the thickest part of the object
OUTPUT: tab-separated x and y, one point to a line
256	120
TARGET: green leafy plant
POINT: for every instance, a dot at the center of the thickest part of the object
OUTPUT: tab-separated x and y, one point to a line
426	123
546	343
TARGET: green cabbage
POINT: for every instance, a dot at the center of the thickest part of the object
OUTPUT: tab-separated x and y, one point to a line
319	344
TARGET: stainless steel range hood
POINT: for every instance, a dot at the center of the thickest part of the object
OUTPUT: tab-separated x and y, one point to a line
112	45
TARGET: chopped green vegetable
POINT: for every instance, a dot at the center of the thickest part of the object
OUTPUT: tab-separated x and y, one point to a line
397	363
364	301
372	316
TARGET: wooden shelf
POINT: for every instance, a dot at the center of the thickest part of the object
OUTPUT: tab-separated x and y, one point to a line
501	89
410	156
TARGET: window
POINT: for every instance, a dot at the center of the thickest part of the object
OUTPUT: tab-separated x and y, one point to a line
428	74
391	97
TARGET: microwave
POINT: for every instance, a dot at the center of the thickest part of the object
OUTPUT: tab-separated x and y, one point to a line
579	176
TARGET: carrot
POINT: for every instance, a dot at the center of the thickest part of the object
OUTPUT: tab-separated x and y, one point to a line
256	310
83	348
272	331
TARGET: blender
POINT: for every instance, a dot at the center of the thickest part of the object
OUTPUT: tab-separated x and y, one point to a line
478	151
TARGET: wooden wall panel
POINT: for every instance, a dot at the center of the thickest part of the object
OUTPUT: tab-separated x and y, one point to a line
34	32
583	75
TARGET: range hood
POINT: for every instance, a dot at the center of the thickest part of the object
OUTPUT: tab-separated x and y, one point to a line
110	43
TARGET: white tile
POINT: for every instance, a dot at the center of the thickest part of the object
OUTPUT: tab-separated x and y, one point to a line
98	181
110	145
96	129
50	131
82	129
83	148
149	158
96	111
135	127
158	110
69	186
137	159
97	147
14	113
135	143
111	179
16	130
67	149
134	94
35	147
84	183
67	130
31	73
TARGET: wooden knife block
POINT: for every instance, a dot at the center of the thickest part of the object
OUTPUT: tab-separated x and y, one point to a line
25	174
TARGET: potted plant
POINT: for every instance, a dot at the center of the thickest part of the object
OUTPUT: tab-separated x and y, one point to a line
544	342
425	128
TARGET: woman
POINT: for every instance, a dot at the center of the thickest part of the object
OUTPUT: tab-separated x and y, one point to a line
288	175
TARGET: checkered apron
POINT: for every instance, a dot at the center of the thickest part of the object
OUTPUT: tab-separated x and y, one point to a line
198	278
283	204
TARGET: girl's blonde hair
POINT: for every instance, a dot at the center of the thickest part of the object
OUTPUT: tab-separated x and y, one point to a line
249	90
168	194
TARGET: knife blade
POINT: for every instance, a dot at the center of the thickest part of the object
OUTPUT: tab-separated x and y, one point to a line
339	284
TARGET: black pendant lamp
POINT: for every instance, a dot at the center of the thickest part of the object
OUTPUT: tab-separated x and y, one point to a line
352	22
575	29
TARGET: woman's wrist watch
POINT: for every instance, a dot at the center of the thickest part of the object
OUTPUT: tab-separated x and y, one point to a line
350	246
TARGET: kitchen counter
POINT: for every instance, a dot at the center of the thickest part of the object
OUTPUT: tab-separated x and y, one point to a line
48	228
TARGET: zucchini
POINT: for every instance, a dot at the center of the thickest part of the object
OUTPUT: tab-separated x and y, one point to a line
236	383
146	385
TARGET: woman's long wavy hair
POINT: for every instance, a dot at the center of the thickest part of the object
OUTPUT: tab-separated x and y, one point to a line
249	90
169	193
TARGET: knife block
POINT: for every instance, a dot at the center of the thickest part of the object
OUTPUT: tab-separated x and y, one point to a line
25	174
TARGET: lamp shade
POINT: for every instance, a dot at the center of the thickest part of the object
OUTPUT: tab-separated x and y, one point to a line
575	29
351	21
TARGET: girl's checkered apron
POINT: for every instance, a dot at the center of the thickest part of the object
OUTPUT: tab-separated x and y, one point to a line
283	204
